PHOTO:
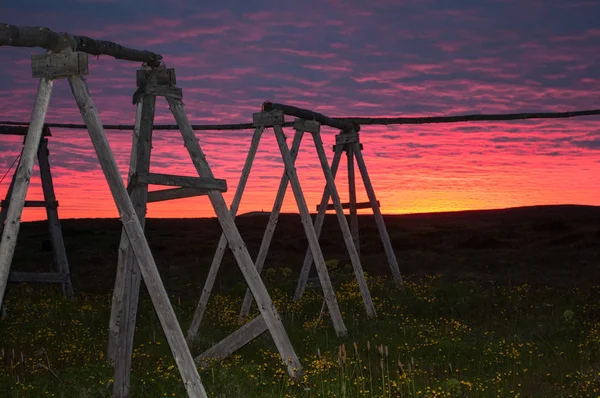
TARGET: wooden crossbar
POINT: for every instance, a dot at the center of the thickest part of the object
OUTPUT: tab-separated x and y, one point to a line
358	206
37	277
182	181
36	203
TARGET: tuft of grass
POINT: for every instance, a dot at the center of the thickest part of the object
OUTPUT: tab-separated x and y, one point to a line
440	338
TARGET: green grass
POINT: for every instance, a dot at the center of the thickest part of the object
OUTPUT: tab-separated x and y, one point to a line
440	338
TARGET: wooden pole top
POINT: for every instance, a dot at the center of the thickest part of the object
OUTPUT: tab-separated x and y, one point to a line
346	126
34	36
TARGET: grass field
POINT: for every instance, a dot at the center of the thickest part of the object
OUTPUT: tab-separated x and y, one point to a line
497	304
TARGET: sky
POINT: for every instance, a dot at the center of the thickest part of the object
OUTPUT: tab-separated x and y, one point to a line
340	58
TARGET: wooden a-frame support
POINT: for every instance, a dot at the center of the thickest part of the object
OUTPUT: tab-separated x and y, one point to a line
275	119
62	273
350	143
72	65
161	81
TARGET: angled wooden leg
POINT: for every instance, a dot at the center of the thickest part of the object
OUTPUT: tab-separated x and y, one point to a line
385	239
139	244
237	245
339	211
58	244
352	197
308	258
272	224
313	240
23	173
139	198
218	258
122	269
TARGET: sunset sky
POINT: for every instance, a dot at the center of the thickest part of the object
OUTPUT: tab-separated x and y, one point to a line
340	58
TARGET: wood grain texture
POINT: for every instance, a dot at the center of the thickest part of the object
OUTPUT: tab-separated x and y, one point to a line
181	181
175	193
54	66
23	173
139	244
125	337
119	288
238	247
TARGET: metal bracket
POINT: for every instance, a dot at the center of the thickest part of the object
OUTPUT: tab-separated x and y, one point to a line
59	65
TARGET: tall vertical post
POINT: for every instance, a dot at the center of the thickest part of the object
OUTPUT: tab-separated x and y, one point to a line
122	269
139	198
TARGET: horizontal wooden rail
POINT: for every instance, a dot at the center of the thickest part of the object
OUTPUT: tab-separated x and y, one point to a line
360	205
35	36
35	203
175	193
37	277
182	181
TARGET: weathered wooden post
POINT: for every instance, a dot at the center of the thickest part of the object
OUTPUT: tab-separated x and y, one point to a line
349	142
62	62
61	264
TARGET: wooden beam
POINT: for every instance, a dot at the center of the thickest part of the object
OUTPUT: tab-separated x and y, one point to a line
360	205
346	234
272	223
385	239
36	203
124	345
182	181
34	36
58	245
175	193
22	177
234	341
139	244
54	66
344	125
222	246
238	247
38	277
318	225
311	236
